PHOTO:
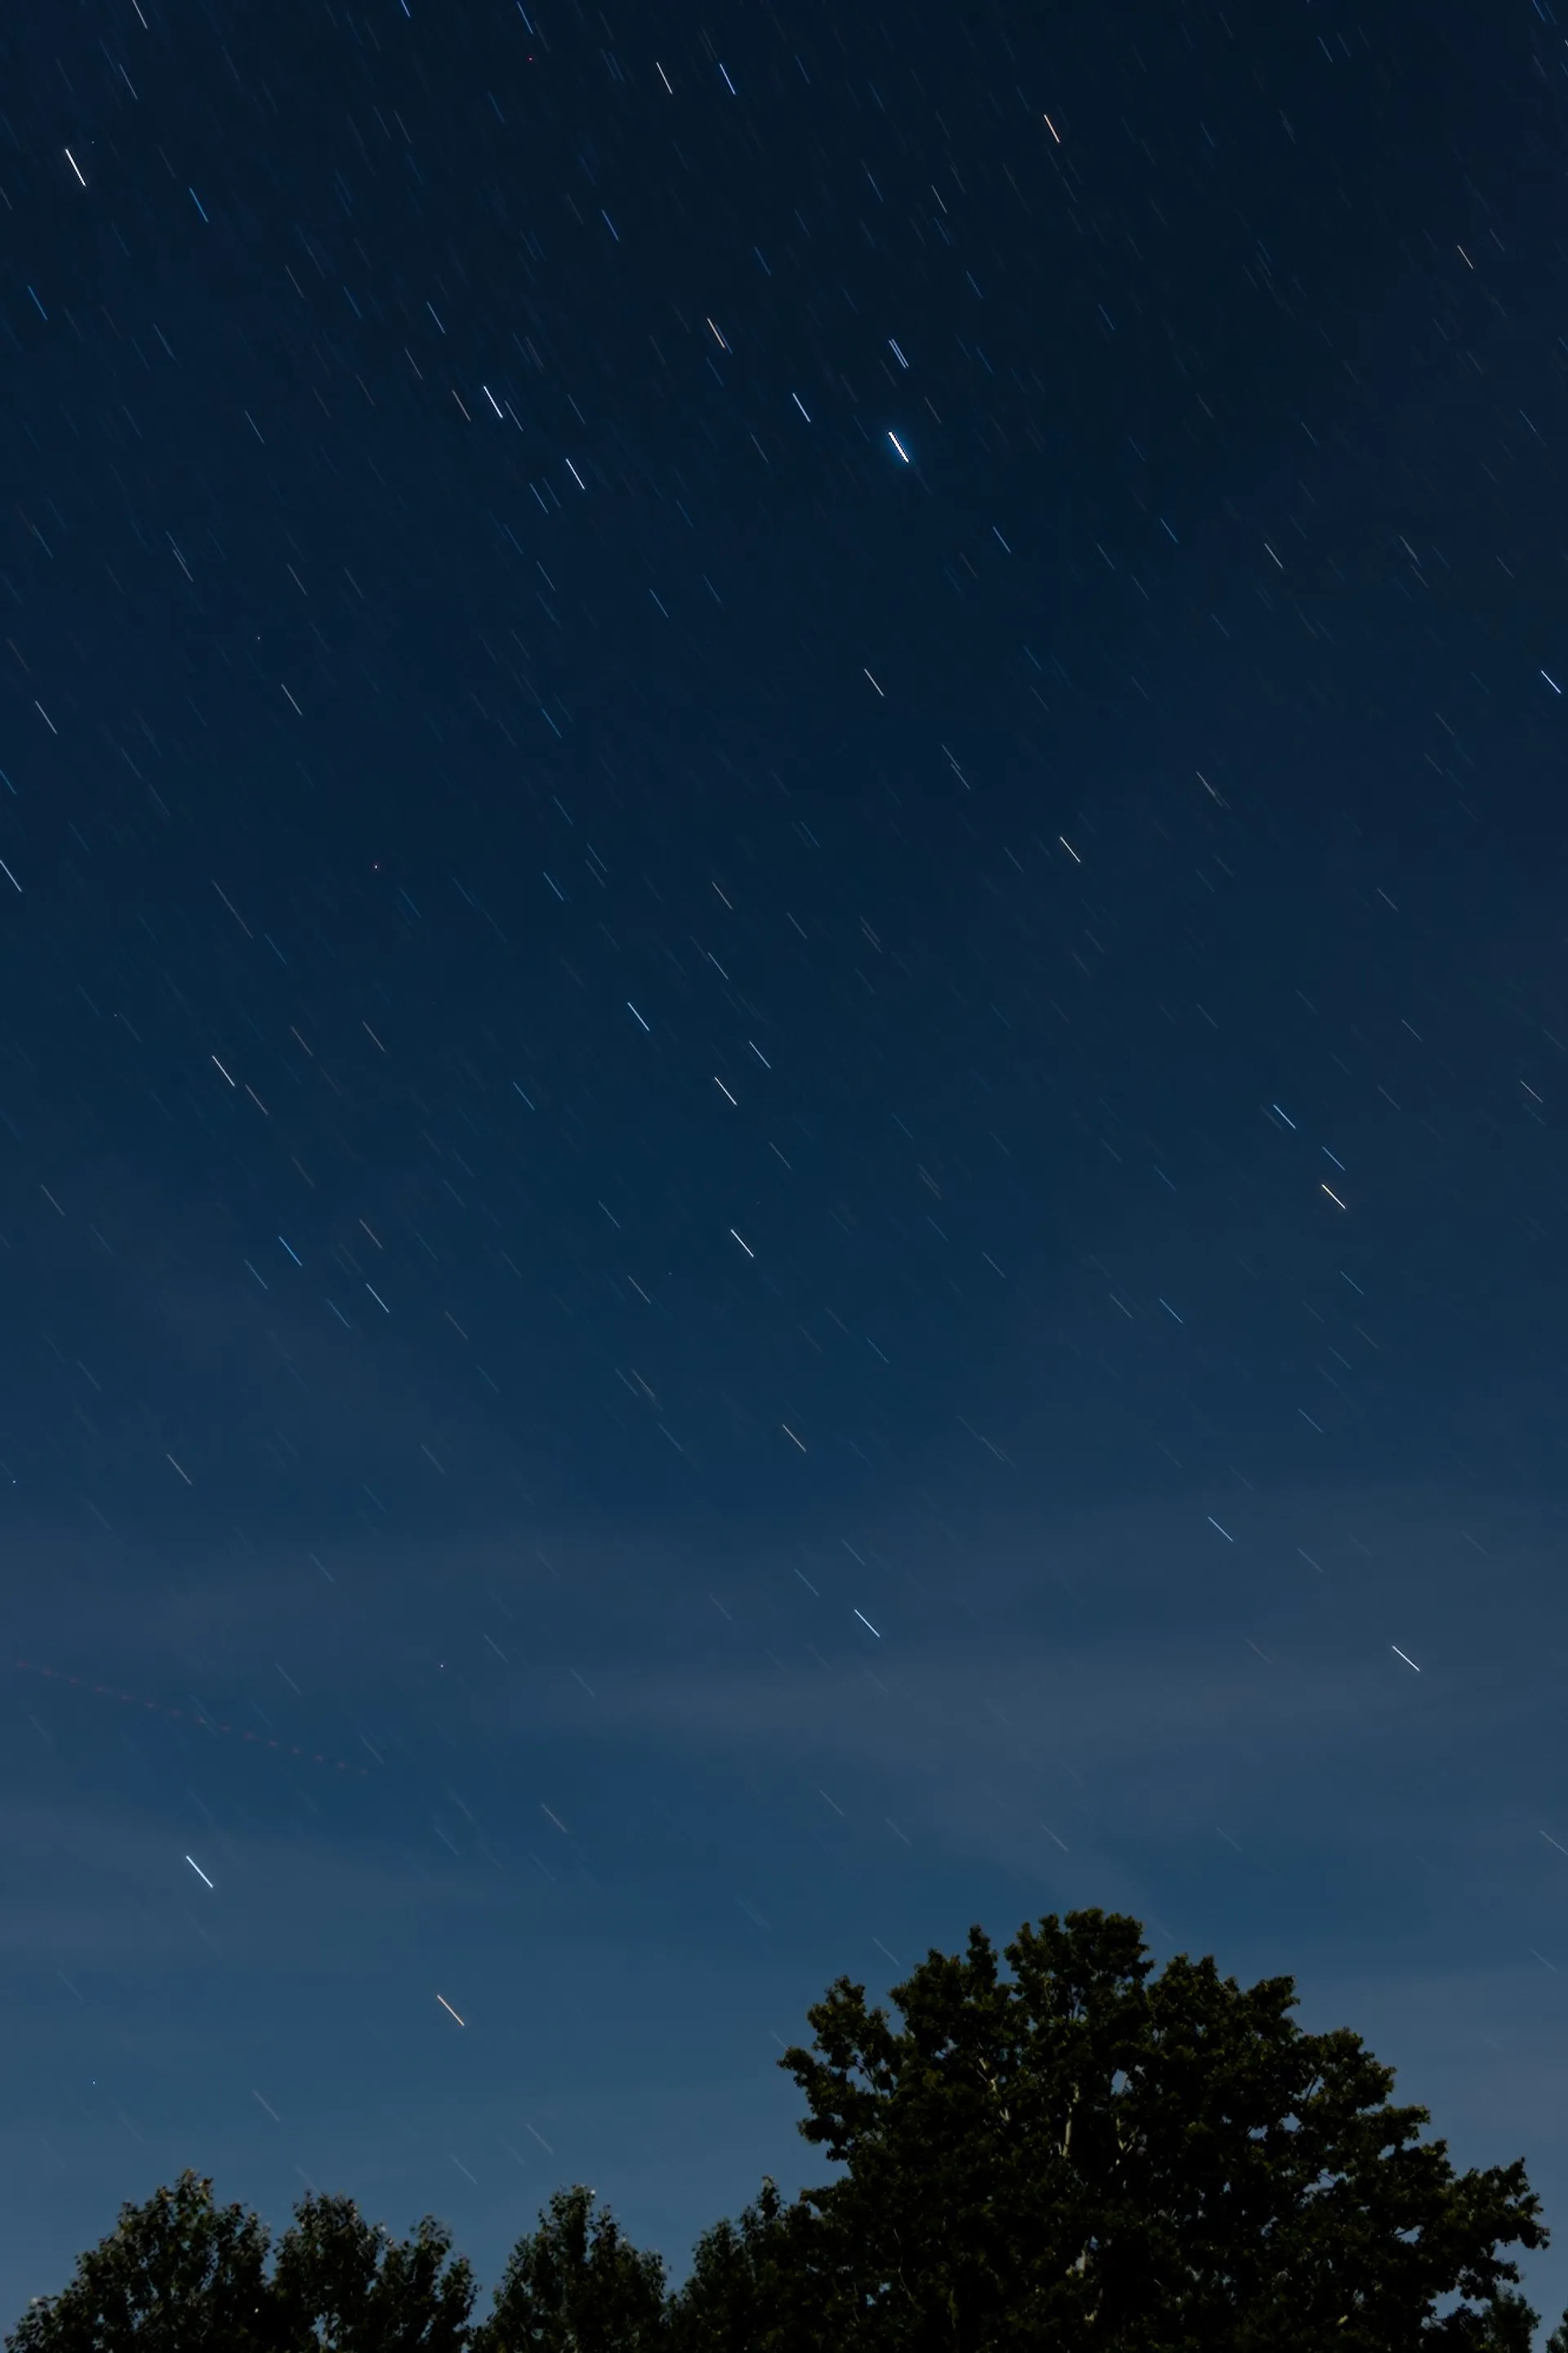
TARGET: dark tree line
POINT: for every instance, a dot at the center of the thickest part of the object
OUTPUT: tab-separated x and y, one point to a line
1070	2152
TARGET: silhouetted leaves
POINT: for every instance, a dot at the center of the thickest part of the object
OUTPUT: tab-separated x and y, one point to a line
174	2274
576	2285
182	2276
338	2283
1071	2151
754	2285
1081	2152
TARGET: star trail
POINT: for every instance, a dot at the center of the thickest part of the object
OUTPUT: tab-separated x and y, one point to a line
780	860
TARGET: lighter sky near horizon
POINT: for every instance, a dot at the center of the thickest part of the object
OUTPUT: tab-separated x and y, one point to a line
784	1004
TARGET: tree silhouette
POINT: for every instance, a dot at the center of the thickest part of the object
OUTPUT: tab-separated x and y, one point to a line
175	2273
182	2276
339	2282
754	2285
576	2285
1054	2147
1085	2154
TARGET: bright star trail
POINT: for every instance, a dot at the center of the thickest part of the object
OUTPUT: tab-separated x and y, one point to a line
782	861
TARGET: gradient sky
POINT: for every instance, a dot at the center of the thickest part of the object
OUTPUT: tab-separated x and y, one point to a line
784	1005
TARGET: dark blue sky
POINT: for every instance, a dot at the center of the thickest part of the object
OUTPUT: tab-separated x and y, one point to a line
783	1011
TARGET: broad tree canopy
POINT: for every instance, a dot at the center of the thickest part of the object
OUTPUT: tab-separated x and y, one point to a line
1080	2152
182	2274
1053	2151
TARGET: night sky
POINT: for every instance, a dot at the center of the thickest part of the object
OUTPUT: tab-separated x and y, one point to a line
780	1085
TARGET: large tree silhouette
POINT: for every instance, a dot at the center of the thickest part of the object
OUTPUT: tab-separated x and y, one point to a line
1078	2151
1054	2147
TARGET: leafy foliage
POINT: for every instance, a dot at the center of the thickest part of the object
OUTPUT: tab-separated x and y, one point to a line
1507	2325
755	2286
1082	2153
576	2285
341	2284
182	2276
176	2273
1051	2147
